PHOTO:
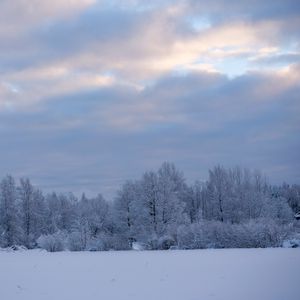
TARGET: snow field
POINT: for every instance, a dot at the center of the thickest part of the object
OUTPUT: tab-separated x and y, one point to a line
241	274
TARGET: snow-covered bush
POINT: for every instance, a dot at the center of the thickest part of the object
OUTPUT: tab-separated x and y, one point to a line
75	241
52	242
105	242
97	244
277	208
263	233
166	242
293	241
138	246
213	234
156	242
120	242
199	235
152	243
14	248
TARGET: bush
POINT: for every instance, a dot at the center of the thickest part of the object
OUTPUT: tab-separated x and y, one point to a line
98	244
196	236
51	242
152	243
120	242
261	233
76	242
105	242
293	241
166	242
138	246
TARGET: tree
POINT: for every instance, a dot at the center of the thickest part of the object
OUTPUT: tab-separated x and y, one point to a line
218	191
234	208
26	192
124	211
10	227
172	190
196	202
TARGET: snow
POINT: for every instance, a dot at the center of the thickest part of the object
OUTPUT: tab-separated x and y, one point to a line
138	246
268	274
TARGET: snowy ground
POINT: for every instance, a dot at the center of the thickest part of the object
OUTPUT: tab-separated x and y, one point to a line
260	274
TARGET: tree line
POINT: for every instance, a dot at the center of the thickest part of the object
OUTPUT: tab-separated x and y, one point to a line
235	207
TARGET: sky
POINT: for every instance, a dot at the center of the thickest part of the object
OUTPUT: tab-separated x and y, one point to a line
93	93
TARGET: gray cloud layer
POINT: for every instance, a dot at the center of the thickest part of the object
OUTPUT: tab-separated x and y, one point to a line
94	93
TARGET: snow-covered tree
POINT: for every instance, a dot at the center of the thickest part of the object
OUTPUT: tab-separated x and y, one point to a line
125	209
234	208
9	220
26	194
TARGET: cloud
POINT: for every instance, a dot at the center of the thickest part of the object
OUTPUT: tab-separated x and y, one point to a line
97	138
249	9
139	43
277	59
20	14
95	92
28	88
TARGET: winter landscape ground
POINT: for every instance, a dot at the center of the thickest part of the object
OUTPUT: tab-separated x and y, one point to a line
266	274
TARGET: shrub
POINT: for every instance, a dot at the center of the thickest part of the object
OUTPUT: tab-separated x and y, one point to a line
76	242
51	242
261	233
165	243
105	242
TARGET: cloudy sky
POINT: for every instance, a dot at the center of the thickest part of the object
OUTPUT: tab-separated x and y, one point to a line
95	92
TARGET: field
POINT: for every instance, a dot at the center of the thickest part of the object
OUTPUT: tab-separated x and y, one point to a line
242	274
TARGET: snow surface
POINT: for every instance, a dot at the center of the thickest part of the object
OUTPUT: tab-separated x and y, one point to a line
266	274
